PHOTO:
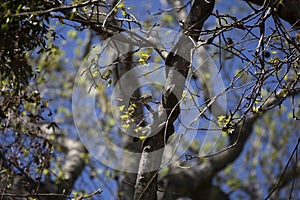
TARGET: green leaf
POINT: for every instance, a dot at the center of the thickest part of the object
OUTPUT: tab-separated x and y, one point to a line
126	126
121	108
72	33
121	6
142	138
123	117
167	18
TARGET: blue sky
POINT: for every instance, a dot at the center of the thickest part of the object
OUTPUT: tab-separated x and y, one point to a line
140	9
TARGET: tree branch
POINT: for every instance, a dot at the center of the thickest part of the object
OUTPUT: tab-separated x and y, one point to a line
74	151
212	164
179	61
288	10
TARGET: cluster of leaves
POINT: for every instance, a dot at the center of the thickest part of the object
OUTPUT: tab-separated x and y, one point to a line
24	32
129	122
121	7
21	30
143	60
127	114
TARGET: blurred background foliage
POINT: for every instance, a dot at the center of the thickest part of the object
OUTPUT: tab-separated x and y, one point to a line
39	59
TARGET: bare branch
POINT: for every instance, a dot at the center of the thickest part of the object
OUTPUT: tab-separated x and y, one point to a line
211	164
287	10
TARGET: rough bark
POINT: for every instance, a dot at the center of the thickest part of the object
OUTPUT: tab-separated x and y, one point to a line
178	60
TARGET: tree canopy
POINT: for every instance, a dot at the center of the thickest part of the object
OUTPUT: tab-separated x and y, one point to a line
149	99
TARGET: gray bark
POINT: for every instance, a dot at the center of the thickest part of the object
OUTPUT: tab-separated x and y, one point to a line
146	185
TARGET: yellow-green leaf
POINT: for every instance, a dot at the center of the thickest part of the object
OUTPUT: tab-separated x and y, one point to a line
121	108
142	138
